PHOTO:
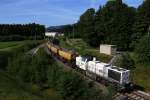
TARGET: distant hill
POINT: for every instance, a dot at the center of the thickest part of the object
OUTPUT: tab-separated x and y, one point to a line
60	28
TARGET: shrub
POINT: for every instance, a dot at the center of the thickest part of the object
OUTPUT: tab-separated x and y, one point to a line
143	49
125	61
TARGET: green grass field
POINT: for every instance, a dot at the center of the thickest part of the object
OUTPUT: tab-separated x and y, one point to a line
8	46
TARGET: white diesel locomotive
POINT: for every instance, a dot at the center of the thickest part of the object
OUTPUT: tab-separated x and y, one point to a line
99	70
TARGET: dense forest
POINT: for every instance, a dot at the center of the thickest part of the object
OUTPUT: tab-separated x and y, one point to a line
15	32
114	23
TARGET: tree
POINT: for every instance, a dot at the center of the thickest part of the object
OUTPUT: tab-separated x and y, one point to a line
9	32
143	49
86	26
114	22
142	19
142	22
124	60
111	24
99	27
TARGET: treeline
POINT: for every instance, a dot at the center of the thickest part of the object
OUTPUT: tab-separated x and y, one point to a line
15	32
43	71
114	23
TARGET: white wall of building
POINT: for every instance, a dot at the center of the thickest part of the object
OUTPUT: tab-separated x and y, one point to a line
53	34
108	49
50	34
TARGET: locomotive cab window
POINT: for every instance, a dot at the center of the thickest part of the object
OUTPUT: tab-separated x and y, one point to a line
114	75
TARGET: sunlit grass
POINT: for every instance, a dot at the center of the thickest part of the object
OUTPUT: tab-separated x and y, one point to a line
84	49
141	74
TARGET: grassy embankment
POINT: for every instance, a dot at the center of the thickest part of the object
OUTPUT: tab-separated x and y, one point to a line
83	49
9	49
139	75
11	46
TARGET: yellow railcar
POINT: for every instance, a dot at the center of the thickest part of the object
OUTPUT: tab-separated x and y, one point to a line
54	49
49	45
68	55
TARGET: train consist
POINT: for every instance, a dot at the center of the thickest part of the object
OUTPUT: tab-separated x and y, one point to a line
94	69
66	55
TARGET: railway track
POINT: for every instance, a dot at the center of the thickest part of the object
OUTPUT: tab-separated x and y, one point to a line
135	95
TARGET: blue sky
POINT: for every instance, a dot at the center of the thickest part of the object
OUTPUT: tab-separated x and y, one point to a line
48	12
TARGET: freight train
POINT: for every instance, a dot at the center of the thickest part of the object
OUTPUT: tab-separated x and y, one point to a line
94	69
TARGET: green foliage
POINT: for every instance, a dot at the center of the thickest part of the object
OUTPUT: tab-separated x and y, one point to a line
141	74
10	49
72	87
111	94
30	69
142	19
111	24
143	49
17	32
8	44
54	73
86	26
125	61
11	89
41	70
79	45
115	23
142	23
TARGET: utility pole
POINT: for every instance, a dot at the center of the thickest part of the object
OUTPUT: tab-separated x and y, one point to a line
73	31
35	27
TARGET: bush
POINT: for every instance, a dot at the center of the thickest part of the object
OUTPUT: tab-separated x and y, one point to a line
30	69
143	49
125	61
4	59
